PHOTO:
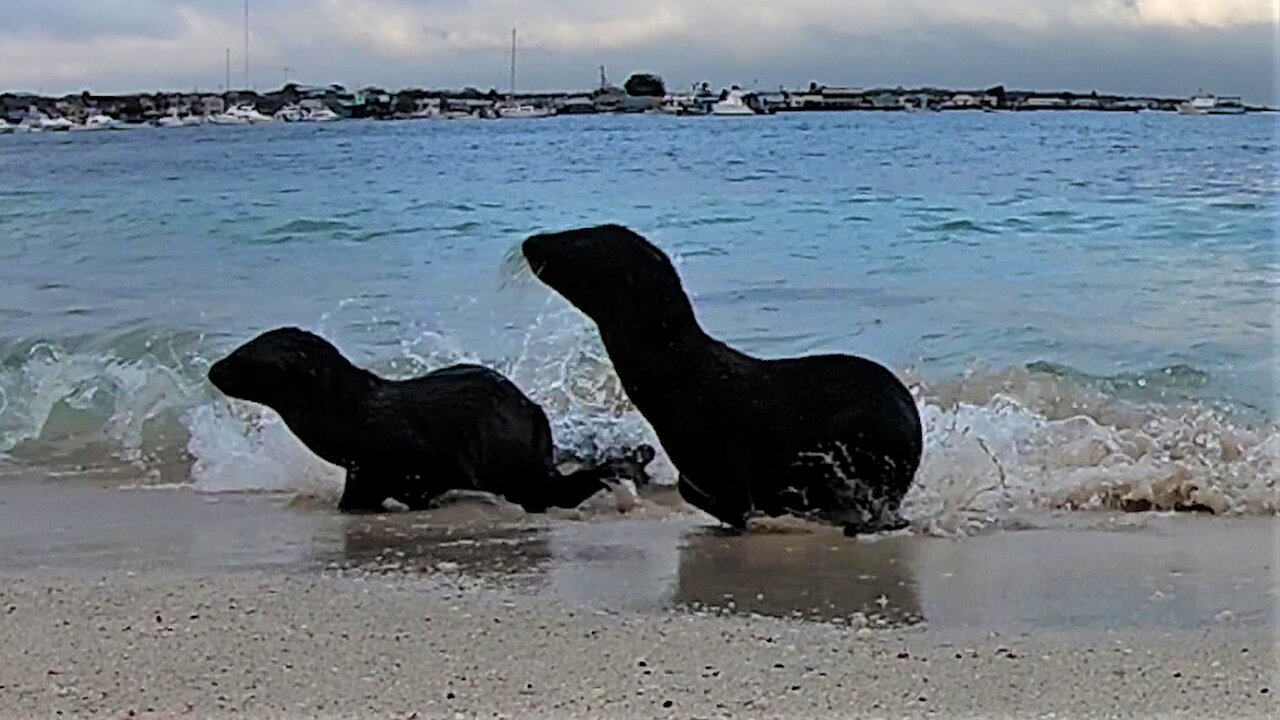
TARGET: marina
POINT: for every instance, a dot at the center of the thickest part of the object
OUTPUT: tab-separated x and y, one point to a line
22	113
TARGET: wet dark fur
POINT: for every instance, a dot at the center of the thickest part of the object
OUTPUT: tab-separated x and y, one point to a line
463	427
836	438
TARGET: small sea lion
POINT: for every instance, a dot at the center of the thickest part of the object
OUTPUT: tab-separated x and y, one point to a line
463	427
834	438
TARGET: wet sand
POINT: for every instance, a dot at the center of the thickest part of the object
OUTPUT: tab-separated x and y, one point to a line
167	602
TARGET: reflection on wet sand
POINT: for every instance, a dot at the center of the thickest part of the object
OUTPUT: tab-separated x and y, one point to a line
1149	571
643	565
407	544
818	575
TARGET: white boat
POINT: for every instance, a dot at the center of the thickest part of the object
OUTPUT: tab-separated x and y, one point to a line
306	111
433	112
288	113
250	113
37	121
97	121
176	120
513	109
732	104
1206	104
674	105
57	124
523	110
319	113
226	118
240	115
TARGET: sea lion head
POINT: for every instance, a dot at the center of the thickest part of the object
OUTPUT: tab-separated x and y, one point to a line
613	275
278	367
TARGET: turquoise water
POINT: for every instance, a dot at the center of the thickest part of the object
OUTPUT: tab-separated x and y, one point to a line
1050	284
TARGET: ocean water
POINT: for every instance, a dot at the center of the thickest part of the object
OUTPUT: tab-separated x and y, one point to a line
1084	304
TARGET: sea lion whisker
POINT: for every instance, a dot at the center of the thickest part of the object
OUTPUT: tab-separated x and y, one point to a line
515	270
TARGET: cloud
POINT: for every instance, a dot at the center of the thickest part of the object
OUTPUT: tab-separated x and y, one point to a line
81	19
190	45
1226	45
1212	13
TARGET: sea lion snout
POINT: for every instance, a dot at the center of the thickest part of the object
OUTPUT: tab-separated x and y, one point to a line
547	249
534	249
234	378
222	376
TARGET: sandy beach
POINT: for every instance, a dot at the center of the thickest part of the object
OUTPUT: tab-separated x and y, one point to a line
163	603
269	645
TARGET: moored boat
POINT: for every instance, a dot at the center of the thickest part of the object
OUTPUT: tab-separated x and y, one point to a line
1208	104
97	121
733	104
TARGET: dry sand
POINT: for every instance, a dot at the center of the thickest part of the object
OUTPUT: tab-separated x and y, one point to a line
158	645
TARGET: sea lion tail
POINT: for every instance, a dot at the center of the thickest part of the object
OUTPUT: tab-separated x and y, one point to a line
630	465
572	488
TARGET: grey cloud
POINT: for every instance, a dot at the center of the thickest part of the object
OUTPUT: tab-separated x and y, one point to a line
1164	60
82	19
1160	61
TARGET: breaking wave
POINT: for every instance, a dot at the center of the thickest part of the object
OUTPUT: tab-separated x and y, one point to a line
999	443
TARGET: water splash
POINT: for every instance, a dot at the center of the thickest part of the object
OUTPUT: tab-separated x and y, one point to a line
999	444
1023	439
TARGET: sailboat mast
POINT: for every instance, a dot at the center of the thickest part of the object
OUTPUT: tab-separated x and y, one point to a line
246	44
513	64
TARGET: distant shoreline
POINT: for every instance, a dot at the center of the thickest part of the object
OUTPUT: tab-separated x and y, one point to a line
23	111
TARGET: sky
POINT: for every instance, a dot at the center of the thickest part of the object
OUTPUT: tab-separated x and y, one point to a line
1159	47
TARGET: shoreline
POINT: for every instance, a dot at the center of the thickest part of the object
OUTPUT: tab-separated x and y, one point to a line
27	112
1059	571
166	602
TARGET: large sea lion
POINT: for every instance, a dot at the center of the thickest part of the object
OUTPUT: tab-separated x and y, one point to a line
835	438
463	427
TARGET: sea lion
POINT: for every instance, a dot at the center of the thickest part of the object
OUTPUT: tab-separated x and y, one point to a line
463	427
834	438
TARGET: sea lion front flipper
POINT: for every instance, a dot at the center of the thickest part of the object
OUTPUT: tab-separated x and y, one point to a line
887	524
733	515
361	493
560	491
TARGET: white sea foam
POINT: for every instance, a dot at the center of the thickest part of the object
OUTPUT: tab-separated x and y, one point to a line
998	443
